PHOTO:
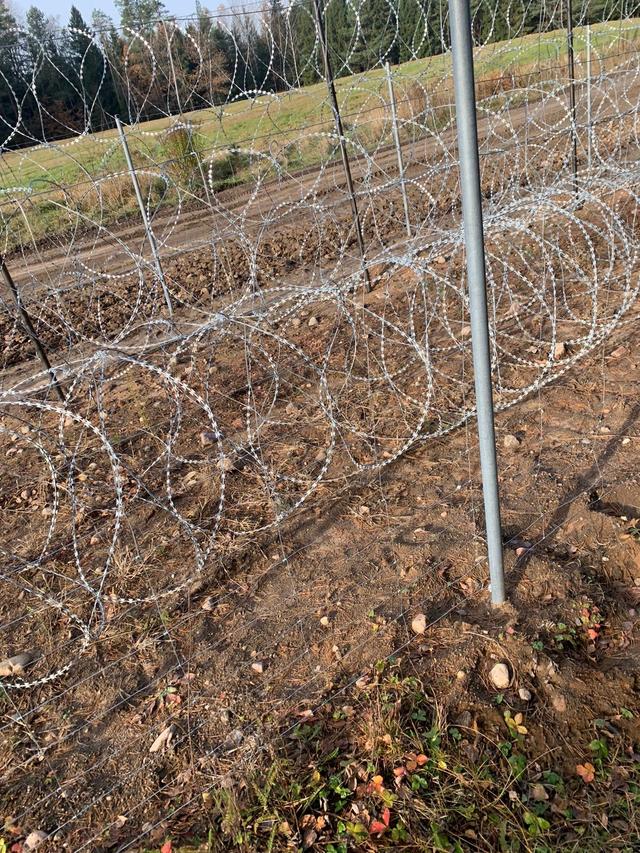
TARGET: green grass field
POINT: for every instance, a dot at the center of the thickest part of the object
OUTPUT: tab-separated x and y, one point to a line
45	185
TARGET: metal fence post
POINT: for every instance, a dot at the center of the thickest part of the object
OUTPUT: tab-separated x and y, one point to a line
31	332
589	141
572	97
147	226
396	140
466	122
343	148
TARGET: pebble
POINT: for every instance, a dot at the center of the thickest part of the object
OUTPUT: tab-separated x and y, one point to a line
35	839
419	623
325	622
524	694
15	665
258	667
313	321
207	437
538	793
559	703
626	441
296	322
560	350
499	676
510	442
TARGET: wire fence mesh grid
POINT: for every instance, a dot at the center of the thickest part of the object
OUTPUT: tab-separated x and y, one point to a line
229	394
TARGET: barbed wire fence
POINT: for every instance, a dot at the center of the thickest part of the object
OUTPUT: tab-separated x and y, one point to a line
249	305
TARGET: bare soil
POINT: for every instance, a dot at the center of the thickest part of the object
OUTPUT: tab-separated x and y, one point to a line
183	586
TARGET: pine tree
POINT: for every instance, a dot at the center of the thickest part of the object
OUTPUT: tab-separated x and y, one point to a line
12	85
304	36
340	30
140	15
377	36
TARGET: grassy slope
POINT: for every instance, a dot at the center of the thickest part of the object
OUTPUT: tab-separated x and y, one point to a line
255	124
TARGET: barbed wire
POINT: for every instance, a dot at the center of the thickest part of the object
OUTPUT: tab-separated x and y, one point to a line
191	443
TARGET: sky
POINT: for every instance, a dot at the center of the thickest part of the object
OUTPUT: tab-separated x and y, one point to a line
59	9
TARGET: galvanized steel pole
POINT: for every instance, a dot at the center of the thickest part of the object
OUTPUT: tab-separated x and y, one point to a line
396	139
462	49
588	97
147	226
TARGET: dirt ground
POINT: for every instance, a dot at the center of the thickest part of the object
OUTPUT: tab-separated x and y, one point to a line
277	624
226	532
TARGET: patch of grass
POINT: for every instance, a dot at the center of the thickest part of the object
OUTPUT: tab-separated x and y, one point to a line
292	126
385	771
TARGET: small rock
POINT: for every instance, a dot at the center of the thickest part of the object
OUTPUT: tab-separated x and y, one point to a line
626	441
524	694
510	442
209	603
538	793
226	464
16	665
337	653
559	703
35	839
207	437
296	322
440	259
309	837
499	676
419	623
461	675
560	350
313	321
618	352
258	667
324	621
464	720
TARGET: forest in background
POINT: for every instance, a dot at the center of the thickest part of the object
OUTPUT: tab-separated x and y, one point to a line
59	81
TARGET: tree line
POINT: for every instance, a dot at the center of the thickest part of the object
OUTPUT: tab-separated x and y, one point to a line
55	82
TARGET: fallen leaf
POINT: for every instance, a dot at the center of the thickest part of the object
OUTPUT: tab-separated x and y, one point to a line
163	740
166	847
586	771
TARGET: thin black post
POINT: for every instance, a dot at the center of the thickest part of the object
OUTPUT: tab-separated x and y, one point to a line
572	98
31	332
343	148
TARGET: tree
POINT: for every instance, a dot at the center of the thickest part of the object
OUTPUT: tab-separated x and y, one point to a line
140	15
303	28
12	86
377	34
